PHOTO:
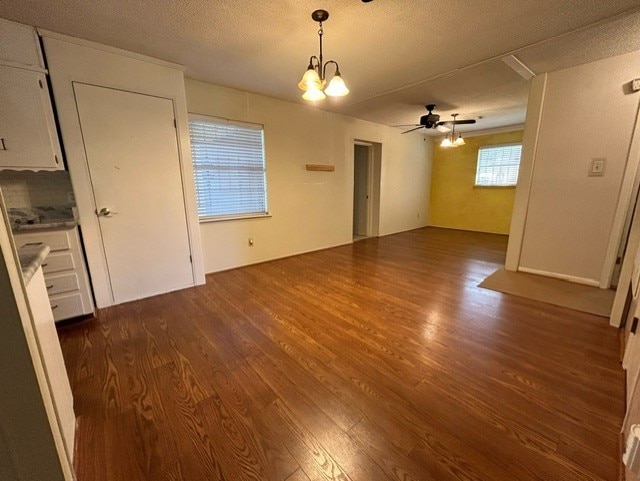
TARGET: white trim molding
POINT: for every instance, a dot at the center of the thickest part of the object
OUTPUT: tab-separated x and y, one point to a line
495	130
626	202
535	107
109	49
564	277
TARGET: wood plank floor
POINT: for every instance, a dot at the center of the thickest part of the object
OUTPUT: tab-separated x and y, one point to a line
380	360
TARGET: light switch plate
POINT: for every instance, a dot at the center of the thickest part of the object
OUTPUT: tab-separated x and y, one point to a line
597	167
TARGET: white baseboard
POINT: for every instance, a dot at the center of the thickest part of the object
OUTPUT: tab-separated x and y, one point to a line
564	277
438	226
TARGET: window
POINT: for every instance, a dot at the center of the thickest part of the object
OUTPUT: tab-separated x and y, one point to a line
229	168
498	165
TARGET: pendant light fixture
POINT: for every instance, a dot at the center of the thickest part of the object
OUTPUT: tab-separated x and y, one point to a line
314	79
450	140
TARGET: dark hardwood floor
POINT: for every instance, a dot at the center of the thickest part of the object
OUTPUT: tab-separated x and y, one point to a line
380	360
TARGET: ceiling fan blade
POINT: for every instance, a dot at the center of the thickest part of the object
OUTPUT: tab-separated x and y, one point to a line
457	122
411	130
407	125
443	129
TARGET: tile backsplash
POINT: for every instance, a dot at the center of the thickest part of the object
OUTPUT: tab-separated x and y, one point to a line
25	189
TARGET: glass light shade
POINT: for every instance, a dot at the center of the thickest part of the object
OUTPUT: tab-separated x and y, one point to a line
336	87
446	142
459	141
310	80
314	94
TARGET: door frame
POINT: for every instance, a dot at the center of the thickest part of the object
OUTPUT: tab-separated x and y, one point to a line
624	209
369	209
72	60
101	246
33	369
374	177
625	225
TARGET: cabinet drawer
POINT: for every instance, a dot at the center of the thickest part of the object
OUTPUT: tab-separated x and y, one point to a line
66	306
61	283
58	261
56	240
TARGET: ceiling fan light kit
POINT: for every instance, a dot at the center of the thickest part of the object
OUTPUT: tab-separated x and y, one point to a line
451	140
314	79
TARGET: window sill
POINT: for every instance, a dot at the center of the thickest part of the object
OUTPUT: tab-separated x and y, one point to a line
225	218
494	186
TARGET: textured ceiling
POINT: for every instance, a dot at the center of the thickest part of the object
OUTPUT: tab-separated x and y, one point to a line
395	55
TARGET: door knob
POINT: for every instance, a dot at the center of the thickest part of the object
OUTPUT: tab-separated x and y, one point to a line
105	212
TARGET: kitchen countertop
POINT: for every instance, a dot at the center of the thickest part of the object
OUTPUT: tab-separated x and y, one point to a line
47	217
48	224
31	258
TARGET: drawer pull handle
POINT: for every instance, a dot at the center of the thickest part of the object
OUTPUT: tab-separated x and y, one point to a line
55	306
49	287
45	265
33	244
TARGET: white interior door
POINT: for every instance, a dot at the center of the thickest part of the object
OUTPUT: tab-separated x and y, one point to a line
132	155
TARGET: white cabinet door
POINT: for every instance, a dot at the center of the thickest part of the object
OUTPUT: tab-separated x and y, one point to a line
28	137
132	154
20	45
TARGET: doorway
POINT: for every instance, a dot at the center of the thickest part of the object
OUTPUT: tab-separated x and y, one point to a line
361	194
366	189
134	168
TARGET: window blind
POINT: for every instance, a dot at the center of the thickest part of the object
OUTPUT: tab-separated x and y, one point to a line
498	165
229	167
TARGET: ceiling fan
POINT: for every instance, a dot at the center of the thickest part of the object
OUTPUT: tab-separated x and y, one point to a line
432	121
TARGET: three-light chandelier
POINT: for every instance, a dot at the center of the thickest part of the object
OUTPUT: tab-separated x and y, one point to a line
450	140
314	80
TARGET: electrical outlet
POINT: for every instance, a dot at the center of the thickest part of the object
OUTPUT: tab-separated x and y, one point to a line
635	84
250	241
597	167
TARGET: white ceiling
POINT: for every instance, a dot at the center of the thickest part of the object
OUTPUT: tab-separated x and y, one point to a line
395	55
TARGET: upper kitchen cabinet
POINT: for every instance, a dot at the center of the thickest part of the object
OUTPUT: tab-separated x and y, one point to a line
20	46
28	134
28	137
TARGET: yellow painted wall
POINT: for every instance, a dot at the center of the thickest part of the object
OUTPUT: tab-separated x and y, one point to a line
455	201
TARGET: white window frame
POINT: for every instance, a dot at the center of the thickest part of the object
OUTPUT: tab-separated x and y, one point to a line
496	146
226	217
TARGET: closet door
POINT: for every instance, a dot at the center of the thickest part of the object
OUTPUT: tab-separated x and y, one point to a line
132	154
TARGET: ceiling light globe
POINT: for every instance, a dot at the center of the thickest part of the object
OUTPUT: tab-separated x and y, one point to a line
459	141
310	80
446	142
314	94
337	87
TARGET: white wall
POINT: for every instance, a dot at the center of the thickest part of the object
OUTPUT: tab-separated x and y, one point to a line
310	210
585	113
